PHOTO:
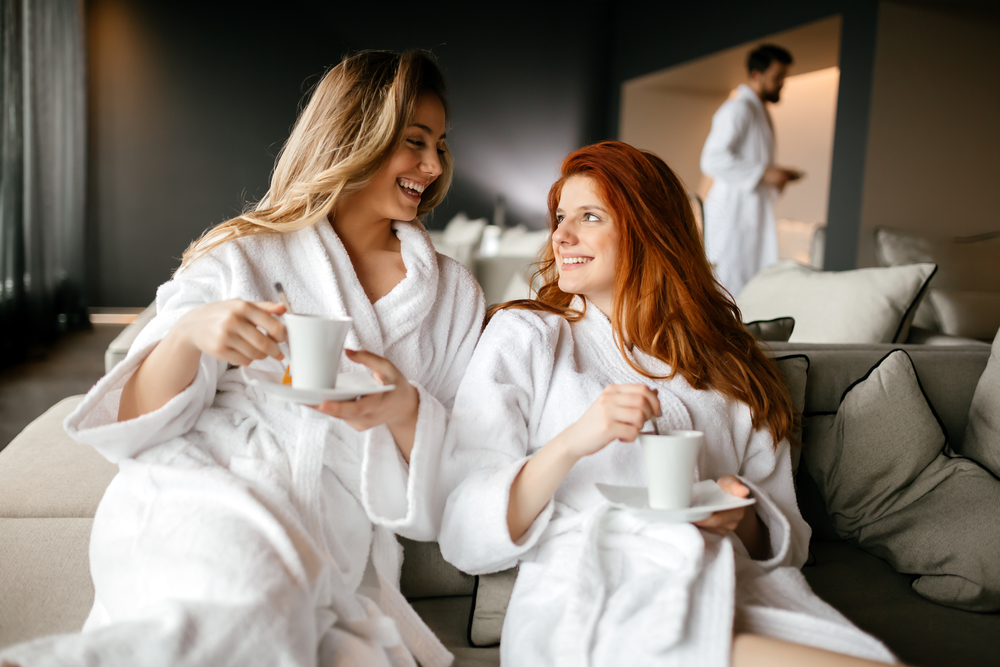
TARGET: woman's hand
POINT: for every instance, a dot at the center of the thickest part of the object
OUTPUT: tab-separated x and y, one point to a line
726	521
226	330
617	414
397	408
231	330
743	521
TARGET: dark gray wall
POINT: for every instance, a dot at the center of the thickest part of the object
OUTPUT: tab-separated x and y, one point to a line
190	102
654	36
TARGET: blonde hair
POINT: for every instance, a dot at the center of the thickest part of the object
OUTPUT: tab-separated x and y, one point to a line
347	132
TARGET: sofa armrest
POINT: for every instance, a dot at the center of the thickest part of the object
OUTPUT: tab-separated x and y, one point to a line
119	347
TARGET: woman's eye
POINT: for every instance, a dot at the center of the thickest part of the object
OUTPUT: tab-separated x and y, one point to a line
590	217
441	151
560	218
415	142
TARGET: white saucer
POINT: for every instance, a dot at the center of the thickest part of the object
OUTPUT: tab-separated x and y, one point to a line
706	498
349	386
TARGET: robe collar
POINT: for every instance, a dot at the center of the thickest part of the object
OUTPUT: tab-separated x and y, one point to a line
377	326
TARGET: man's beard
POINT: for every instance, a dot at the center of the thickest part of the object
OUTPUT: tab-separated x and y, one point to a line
772	96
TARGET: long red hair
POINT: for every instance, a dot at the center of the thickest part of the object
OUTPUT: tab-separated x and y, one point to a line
666	301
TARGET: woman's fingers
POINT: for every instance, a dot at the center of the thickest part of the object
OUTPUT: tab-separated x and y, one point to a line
264	314
266	345
732	485
722	522
384	370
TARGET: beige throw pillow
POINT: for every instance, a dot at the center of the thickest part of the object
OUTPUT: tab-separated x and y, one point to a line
862	306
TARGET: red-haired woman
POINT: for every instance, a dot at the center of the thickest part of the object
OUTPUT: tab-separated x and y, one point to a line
628	327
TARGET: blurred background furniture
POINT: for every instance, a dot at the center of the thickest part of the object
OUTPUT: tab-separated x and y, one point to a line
964	296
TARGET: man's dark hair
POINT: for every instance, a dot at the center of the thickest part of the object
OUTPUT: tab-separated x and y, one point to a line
765	54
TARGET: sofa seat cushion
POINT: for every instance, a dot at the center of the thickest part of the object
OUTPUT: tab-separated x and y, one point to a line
44	577
45	473
880	601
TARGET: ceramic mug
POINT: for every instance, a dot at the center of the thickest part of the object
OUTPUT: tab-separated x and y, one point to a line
314	344
670	462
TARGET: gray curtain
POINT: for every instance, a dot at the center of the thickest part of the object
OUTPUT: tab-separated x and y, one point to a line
42	172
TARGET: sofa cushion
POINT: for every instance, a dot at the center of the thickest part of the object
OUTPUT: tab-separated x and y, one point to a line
890	486
448	618
881	601
779	329
427	574
862	306
44	577
982	435
45	473
969	264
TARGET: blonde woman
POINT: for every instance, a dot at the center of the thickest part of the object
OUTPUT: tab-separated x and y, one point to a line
242	530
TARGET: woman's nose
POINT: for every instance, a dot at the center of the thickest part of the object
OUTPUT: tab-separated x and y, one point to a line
563	234
431	164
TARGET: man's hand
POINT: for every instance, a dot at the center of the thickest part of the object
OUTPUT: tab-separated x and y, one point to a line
779	177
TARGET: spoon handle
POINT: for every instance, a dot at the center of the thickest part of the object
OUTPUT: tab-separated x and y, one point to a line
283	297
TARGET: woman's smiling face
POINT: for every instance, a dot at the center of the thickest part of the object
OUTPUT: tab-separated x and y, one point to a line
585	243
396	190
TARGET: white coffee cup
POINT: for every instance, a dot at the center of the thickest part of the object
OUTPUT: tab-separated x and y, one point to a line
315	343
670	462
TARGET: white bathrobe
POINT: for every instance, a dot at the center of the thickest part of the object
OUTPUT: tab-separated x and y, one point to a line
596	585
740	234
240	528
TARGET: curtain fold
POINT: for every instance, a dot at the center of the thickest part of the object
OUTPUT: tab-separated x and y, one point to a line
42	173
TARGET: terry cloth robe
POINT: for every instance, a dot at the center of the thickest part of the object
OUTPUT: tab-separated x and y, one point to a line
740	234
597	585
239	528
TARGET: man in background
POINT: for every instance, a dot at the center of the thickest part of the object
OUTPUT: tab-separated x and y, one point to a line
740	235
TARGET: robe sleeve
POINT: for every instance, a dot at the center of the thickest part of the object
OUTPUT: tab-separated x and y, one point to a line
408	499
722	158
488	444
95	421
767	472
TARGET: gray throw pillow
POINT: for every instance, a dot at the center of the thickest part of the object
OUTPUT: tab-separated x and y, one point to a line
889	486
795	371
489	606
778	330
982	435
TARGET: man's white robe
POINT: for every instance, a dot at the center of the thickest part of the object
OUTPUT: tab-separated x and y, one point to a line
596	585
740	234
240	528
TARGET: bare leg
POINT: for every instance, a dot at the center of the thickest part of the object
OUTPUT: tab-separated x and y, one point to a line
759	651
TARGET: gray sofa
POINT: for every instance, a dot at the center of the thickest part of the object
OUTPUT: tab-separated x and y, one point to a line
50	487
